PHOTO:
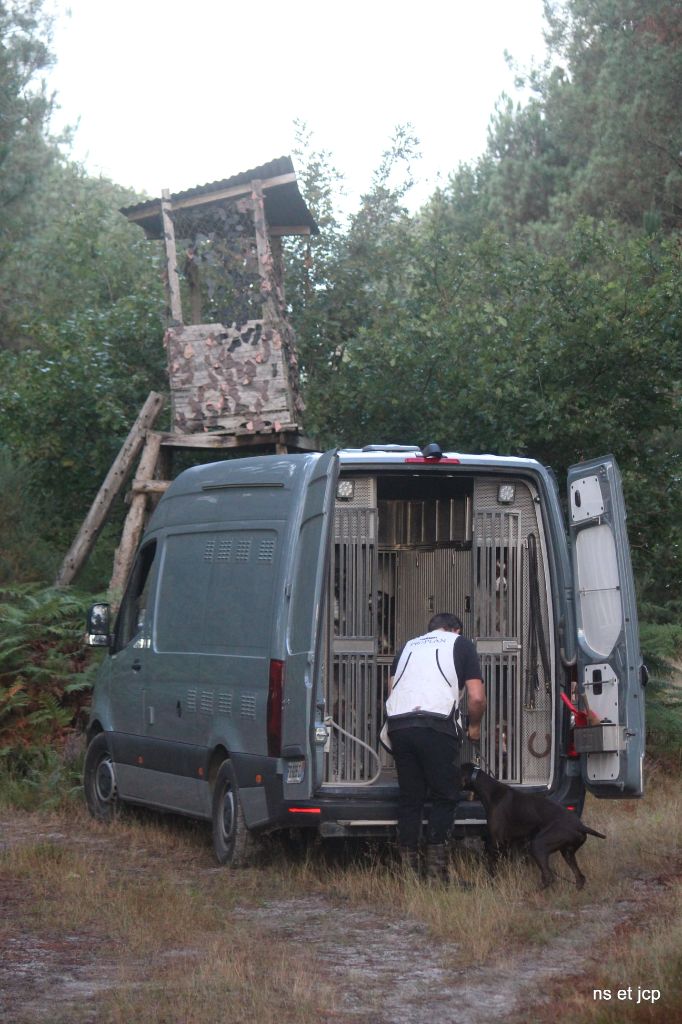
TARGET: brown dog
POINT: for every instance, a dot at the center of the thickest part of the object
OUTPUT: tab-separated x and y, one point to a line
514	816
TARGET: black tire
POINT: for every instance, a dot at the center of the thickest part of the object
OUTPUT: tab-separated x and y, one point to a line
233	843
99	780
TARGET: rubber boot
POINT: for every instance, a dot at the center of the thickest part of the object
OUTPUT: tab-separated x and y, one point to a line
437	863
409	861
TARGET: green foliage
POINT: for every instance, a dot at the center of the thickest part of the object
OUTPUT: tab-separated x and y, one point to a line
489	344
661	646
80	257
25	108
68	404
88	343
80	308
601	134
24	554
45	673
39	778
664	723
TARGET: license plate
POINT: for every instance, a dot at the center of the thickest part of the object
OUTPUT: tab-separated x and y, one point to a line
295	771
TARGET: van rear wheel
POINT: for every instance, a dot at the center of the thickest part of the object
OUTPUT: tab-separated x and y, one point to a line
99	780
233	843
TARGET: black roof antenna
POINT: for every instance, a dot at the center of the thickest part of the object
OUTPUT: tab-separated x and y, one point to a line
432	451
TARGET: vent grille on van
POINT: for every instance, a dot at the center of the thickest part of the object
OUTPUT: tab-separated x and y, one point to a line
191	700
225	703
206	703
247	708
243	550
225	550
266	551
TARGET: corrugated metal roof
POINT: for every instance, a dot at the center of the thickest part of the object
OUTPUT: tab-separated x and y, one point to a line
284	204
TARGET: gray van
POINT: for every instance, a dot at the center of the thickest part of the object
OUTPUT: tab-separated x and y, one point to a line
248	666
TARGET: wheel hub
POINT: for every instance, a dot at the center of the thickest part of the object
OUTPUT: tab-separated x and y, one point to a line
228	815
105	781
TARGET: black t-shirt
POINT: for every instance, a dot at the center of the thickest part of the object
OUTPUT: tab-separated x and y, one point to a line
467	666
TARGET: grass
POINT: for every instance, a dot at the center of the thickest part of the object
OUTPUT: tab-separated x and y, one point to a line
642	957
176	939
170	941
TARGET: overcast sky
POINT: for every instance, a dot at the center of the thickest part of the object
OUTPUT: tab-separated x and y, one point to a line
171	94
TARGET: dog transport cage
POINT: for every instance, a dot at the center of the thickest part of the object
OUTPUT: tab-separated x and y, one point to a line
405	548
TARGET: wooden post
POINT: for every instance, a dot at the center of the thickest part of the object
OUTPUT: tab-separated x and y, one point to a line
171	258
135	520
112	486
273	302
278	266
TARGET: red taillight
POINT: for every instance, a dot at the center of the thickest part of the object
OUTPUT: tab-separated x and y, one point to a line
433	460
275	698
305	810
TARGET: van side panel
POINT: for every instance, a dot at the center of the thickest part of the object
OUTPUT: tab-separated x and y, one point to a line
196	679
215	606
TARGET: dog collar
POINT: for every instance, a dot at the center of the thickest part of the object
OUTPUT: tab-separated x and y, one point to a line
475	771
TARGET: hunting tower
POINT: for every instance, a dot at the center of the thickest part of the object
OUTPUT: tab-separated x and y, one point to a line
232	364
231	356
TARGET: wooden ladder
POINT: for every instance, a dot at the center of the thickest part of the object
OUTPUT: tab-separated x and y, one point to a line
152	478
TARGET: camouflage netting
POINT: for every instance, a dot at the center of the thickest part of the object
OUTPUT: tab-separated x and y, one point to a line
220	262
231	379
234	369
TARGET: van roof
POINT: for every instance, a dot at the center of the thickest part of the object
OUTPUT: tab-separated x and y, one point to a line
399	454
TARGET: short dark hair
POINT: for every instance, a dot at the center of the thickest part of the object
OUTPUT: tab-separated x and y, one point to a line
444	620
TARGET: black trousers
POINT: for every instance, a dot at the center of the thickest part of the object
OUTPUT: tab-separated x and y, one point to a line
427	763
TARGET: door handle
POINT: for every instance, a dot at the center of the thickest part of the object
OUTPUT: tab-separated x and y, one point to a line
136	666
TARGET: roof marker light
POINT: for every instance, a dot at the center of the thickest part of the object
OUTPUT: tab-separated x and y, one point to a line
434	460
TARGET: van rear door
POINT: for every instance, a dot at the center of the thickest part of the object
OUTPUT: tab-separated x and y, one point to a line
304	647
608	653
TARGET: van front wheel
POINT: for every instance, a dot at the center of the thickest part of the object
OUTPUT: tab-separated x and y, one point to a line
233	843
99	780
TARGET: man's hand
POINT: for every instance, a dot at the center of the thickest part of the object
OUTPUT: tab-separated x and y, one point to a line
476	704
474	733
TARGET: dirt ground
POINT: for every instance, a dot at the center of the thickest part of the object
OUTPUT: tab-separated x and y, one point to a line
383	964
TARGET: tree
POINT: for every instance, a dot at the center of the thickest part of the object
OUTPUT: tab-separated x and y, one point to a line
25	107
600	134
87	306
356	273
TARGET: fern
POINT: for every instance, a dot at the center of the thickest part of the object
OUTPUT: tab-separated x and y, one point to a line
45	672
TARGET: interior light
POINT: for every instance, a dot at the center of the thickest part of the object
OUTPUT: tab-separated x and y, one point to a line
345	490
505	494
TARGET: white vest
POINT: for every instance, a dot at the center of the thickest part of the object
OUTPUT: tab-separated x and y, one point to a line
425	679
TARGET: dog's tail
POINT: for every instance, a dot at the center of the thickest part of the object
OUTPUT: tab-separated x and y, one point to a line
591	831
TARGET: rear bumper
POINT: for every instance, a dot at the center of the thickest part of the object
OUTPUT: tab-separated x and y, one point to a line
338	811
339	815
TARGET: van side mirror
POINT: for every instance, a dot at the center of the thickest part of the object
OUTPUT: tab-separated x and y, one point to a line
98	630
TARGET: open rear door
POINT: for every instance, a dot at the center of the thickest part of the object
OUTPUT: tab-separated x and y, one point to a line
304	645
609	659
